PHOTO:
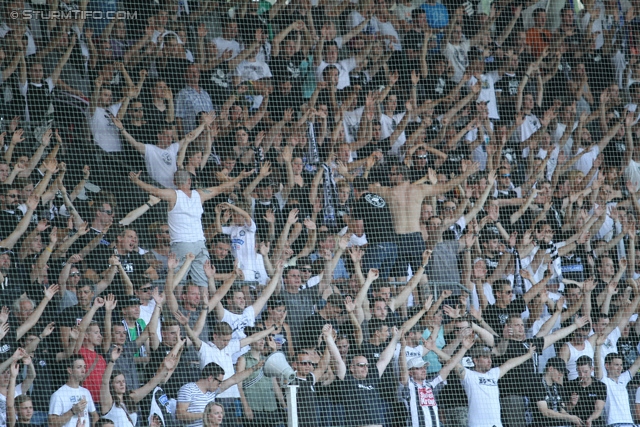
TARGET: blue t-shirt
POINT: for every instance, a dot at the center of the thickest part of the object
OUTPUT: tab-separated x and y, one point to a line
437	15
431	357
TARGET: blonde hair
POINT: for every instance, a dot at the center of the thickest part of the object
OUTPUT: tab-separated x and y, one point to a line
207	410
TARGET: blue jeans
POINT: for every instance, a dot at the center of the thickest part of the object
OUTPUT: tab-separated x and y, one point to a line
381	256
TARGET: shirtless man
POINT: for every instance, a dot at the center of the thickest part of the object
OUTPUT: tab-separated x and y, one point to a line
405	202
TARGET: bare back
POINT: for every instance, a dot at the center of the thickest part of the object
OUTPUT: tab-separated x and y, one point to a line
405	203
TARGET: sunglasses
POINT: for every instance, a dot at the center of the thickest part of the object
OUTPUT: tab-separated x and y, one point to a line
146	289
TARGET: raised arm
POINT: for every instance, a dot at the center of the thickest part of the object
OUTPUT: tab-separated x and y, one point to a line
399	300
516	361
168	195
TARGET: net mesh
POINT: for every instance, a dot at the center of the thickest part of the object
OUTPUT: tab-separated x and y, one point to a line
319	213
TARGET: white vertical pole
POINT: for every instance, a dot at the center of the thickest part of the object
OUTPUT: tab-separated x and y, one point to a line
292	406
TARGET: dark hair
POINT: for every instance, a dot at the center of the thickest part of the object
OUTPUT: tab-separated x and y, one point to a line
584	361
376	325
211	370
72	360
102	422
610	357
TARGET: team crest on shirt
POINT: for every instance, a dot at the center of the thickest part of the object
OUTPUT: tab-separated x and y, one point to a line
242	232
375	200
166	158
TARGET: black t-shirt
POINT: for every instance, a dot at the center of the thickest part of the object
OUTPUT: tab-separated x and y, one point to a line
311	329
497	317
614	152
554	395
307	400
361	399
628	349
587	397
9	220
92	258
188	369
516	381
507	88
224	265
72	316
374	211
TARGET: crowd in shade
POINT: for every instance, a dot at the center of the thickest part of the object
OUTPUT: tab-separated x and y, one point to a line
429	210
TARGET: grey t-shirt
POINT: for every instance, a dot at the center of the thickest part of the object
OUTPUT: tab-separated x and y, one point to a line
299	307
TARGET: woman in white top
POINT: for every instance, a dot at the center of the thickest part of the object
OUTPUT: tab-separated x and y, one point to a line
119	404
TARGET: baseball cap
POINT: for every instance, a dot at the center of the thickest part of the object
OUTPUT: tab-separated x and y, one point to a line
557	363
415	362
4	250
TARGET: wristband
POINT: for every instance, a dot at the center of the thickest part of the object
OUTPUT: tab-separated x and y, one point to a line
48	249
527	75
40	337
148	204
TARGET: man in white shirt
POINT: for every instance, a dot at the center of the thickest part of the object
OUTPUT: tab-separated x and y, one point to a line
327	54
221	351
239	316
105	133
228	40
72	402
617	407
161	159
481	385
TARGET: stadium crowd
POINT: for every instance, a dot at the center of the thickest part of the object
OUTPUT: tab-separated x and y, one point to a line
431	209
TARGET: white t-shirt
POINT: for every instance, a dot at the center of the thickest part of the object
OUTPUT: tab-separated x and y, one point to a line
191	393
585	163
488	91
232	45
105	134
344	68
162	163
253	71
387	29
146	311
616	407
529	127
238	322
63	400
243	243
210	353
351	124
3	405
457	56
479	154
484	397
632	173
